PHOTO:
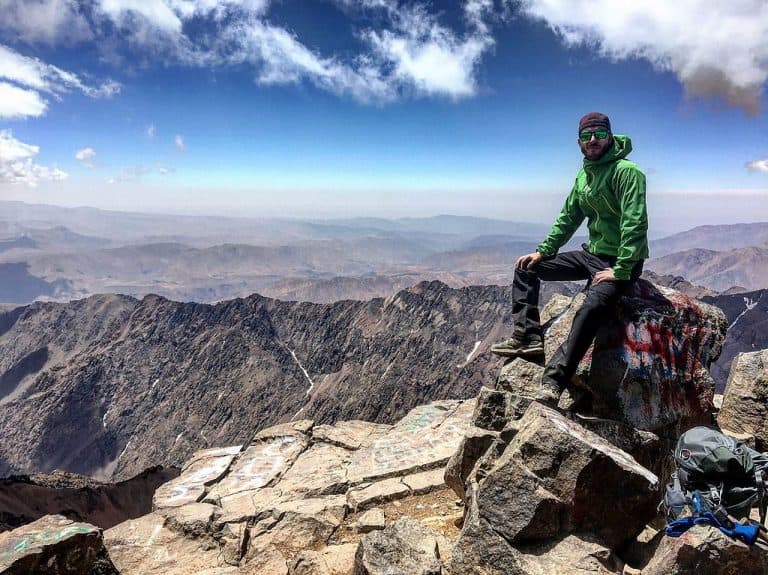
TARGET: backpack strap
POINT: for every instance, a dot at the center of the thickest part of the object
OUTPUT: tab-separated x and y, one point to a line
746	533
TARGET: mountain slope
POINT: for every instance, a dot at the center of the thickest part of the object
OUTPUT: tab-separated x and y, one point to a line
147	382
746	267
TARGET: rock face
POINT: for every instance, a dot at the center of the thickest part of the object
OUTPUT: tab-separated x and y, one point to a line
294	498
110	385
650	362
747	315
745	404
553	480
54	545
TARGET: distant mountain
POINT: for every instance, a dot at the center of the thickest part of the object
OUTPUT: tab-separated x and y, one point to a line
110	385
747	315
745	267
716	238
678	283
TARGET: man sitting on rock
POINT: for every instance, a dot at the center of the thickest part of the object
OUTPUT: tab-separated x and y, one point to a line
609	192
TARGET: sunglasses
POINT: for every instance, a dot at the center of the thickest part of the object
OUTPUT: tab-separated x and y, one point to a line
586	135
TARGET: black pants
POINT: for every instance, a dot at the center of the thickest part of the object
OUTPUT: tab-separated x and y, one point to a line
601	299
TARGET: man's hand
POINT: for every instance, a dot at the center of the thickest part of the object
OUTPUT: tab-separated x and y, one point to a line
605	275
528	260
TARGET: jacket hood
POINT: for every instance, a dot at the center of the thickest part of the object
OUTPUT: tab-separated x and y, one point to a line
622	146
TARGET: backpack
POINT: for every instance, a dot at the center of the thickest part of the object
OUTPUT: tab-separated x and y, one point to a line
718	480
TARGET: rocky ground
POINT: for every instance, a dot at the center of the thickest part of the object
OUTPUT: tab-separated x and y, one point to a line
493	485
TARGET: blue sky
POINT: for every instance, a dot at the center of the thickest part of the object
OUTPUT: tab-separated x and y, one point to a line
378	107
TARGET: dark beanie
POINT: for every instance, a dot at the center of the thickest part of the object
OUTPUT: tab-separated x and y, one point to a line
595	120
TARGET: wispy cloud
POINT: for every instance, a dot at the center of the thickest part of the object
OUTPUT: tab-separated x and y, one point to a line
715	50
25	78
17	164
85	156
179	141
151	131
758	165
408	52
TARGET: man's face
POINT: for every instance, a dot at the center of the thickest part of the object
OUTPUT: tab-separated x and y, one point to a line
594	149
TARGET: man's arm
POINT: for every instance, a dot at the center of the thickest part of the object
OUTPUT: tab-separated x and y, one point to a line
567	222
633	245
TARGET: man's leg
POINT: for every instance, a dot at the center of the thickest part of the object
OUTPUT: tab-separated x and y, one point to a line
568	266
601	300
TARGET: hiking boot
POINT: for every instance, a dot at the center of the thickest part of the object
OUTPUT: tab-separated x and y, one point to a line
519	347
549	393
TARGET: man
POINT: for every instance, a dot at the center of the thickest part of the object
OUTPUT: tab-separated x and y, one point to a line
610	193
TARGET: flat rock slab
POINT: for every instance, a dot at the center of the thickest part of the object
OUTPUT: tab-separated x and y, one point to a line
366	496
424	439
259	465
320	470
145	546
406	546
351	434
745	402
706	550
204	468
54	545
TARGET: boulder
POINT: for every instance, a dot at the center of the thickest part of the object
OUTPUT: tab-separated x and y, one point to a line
704	549
333	560
745	402
649	362
572	555
404	548
54	545
554	478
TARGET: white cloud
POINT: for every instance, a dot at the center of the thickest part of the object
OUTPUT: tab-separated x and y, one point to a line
32	76
715	49
758	165
151	130
86	156
48	21
179	141
430	57
17	165
19	103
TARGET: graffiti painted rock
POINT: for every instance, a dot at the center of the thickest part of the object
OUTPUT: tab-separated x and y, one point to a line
704	549
424	439
649	363
406	546
745	403
259	465
205	467
54	545
555	478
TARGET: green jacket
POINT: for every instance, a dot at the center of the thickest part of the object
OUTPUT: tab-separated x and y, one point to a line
610	193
